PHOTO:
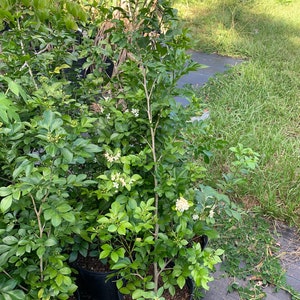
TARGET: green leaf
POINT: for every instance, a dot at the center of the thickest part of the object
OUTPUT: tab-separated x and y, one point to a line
119	283
150	285
119	265
48	213
122	229
5	191
22	168
65	271
91	148
219	252
56	220
137	294
112	228
132	203
59	68
6	203
16	194
63	208
48	118
59	279
181	281
104	254
9	291
67	154
69	217
50	242
8	111
40	251
4	248
70	23
16	295
14	87
177	271
10	240
4	258
114	256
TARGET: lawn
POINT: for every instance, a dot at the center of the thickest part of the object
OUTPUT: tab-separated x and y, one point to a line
257	103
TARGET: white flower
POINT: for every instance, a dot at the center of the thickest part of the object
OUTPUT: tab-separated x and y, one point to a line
108	116
182	204
212	211
116	185
112	158
109	157
195	217
135	112
122	181
115	177
117	156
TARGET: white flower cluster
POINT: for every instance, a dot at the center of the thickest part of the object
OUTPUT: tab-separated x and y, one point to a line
182	204
112	158
118	180
135	112
195	217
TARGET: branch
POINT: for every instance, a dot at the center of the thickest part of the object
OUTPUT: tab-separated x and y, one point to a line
148	95
41	228
26	63
19	285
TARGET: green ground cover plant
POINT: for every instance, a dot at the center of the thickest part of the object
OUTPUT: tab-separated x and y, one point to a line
256	103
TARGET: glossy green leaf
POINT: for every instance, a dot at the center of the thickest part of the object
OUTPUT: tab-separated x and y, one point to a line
10	240
180	281
56	220
50	242
6	203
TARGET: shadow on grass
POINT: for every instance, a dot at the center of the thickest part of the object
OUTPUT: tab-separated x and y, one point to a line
257	103
239	31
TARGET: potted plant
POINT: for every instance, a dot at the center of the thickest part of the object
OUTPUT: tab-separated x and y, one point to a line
156	207
45	152
91	163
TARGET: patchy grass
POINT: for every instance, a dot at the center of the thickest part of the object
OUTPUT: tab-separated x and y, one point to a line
251	256
256	103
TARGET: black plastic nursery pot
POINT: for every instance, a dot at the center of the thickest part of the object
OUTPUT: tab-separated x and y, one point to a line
191	286
96	286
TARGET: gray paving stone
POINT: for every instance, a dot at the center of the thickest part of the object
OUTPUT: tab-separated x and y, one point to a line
280	295
213	63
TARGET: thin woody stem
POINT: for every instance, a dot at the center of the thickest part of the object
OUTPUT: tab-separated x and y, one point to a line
148	94
41	229
26	63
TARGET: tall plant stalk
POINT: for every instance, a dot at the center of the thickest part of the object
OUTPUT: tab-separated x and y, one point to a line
153	127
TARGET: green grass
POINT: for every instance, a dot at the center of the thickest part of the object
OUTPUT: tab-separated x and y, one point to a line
256	103
251	273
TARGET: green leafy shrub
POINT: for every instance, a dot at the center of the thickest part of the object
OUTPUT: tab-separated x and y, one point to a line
97	163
